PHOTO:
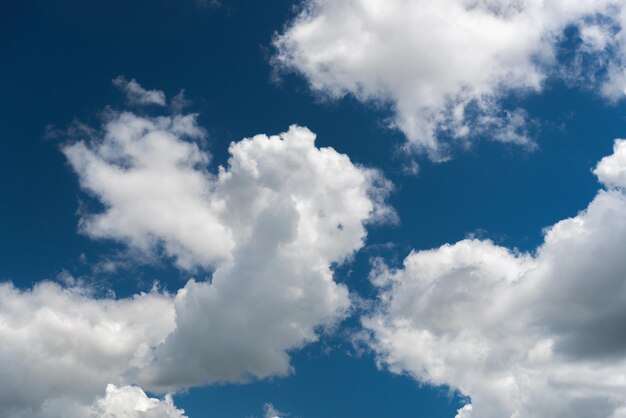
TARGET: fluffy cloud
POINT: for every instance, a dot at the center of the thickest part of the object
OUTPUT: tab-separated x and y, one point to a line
269	225
62	346
118	402
611	170
443	66
522	335
132	402
137	95
153	180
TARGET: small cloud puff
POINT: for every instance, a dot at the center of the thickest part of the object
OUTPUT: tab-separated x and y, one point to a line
271	412
137	95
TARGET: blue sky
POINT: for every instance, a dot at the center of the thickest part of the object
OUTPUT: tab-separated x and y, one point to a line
251	68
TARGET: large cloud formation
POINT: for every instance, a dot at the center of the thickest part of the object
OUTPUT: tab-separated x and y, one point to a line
270	224
444	65
267	228
523	335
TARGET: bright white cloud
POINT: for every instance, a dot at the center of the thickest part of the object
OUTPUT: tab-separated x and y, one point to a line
61	346
117	402
444	65
522	335
153	180
611	170
137	95
269	225
132	402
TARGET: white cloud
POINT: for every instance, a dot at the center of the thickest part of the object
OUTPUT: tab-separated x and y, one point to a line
611	170
163	199
61	346
522	335
136	94
117	402
443	66
464	412
271	412
132	402
269	226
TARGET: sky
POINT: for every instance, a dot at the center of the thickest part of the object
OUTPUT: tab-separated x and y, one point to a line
314	208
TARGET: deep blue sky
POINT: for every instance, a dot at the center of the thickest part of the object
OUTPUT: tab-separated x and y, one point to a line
57	60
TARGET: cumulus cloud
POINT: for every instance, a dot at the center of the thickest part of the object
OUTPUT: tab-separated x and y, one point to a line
152	178
118	402
611	170
444	66
523	335
136	94
132	402
60	347
269	226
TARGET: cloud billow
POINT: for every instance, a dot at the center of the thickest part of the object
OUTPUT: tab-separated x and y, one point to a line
268	226
521	334
443	67
60	347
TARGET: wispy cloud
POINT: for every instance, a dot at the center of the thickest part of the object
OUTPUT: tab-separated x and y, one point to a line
137	95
